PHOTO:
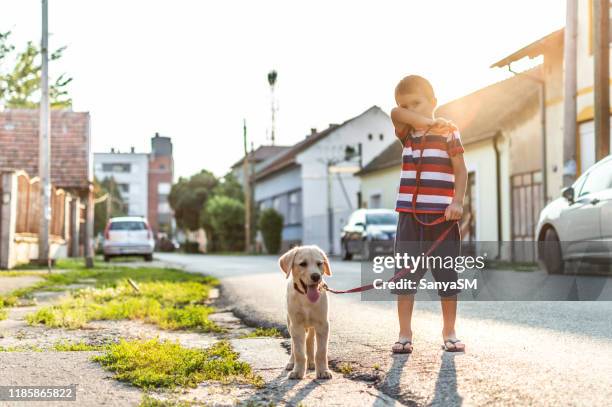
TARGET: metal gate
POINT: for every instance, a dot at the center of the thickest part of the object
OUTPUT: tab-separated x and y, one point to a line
526	196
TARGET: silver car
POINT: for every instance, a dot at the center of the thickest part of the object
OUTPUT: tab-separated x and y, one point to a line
128	236
578	225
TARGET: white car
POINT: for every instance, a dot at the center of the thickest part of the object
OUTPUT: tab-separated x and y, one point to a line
578	225
128	236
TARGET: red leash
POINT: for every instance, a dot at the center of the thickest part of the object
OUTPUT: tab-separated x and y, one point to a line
434	245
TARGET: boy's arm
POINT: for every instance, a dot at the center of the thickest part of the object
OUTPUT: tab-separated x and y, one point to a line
402	117
454	211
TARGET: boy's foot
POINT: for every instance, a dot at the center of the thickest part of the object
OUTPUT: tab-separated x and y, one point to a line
403	345
453	345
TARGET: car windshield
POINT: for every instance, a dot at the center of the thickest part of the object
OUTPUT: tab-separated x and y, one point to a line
381	218
128	225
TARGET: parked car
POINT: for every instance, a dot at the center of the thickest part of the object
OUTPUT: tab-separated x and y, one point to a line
578	225
128	236
369	232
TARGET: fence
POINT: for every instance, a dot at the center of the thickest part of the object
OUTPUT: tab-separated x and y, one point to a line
20	214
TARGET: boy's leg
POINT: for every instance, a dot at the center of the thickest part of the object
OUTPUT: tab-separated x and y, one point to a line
448	298
406	235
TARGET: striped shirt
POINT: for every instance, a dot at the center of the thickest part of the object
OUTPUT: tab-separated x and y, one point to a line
437	184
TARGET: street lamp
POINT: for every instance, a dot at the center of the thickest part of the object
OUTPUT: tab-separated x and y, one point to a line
272	75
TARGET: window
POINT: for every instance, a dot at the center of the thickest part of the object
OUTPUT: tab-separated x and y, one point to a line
375	201
124	188
163	207
116	167
598	180
382	218
129	225
163	188
295	208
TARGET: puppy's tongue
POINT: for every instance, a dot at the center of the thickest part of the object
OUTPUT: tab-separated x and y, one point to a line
312	293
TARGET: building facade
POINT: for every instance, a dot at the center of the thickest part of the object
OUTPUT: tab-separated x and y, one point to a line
144	180
161	173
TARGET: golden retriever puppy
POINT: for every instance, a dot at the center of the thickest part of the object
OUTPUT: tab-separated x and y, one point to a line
307	310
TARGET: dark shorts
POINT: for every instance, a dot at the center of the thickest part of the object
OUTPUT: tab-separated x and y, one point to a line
415	239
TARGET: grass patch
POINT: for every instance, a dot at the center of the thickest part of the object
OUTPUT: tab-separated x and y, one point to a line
263	332
66	346
154	364
170	305
169	298
3	314
345	368
30	348
148	401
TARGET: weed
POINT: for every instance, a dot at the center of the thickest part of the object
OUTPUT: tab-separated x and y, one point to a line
263	332
345	368
65	346
154	364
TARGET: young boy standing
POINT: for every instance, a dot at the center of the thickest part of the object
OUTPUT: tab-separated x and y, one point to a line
441	191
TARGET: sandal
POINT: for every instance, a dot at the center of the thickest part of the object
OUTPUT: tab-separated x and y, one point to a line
403	343
454	348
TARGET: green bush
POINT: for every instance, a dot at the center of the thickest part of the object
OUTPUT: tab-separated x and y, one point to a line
191	247
226	216
271	226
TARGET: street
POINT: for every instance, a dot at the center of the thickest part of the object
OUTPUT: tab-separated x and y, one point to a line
521	352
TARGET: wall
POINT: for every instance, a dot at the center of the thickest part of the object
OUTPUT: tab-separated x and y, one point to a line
384	182
137	178
279	184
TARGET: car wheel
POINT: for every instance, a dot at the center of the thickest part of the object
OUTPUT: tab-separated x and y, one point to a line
552	255
346	255
148	257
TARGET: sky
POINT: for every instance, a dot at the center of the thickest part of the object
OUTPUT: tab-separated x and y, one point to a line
193	70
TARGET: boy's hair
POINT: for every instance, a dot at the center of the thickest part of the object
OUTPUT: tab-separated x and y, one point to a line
415	84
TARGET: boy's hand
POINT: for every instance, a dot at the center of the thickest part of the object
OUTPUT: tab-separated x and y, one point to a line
454	211
441	124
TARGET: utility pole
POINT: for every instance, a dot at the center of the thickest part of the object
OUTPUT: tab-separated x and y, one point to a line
569	108
272	75
44	166
330	208
247	192
601	59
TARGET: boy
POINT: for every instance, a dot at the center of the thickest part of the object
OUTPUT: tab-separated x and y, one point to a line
441	191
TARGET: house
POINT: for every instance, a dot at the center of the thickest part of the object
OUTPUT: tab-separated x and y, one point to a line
144	180
257	159
500	130
70	178
312	184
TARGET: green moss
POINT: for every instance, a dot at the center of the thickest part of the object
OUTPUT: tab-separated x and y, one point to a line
148	401
66	346
155	364
170	305
263	332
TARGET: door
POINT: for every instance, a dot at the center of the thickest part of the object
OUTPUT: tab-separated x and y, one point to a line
582	220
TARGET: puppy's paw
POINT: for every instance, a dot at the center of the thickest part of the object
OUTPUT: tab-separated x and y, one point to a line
289	366
296	374
324	374
311	366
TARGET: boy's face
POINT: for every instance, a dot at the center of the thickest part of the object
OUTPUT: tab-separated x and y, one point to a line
416	103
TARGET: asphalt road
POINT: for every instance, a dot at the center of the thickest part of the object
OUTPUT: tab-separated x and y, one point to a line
518	352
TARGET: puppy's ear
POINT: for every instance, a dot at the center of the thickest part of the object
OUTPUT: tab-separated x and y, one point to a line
326	267
286	261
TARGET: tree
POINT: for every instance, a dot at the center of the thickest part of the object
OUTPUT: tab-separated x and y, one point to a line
271	226
230	187
107	186
188	196
227	221
20	85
